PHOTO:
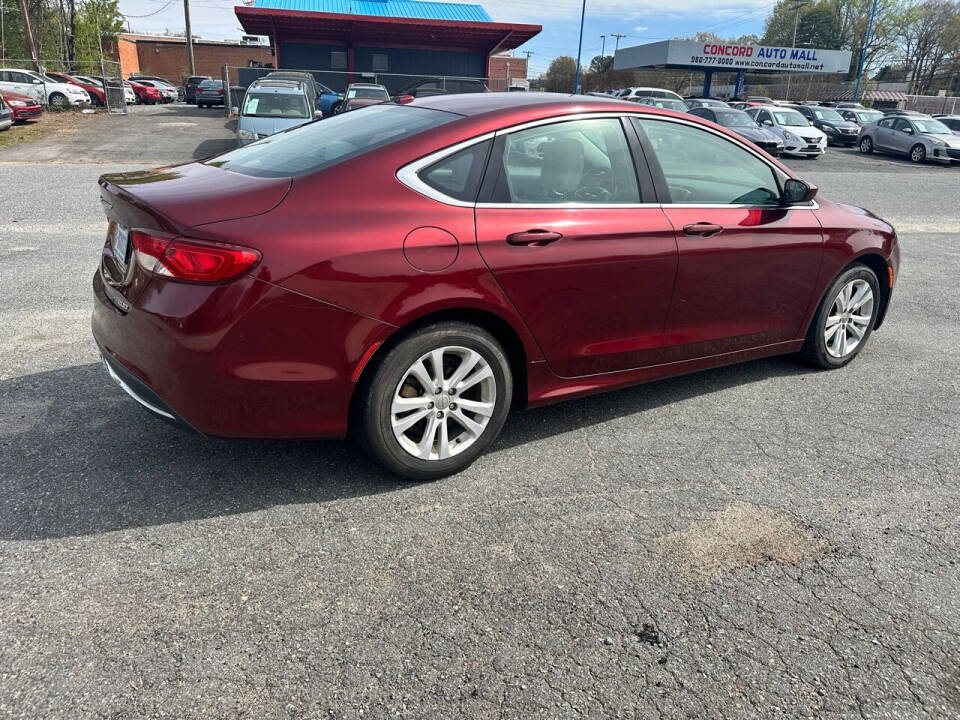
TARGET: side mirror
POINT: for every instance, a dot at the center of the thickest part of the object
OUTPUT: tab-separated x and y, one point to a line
318	113
797	191
234	110
768	123
908	130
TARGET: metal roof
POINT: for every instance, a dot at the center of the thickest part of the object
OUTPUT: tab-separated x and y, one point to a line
412	9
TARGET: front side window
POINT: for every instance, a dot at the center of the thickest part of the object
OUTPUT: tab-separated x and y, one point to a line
458	175
579	161
288	105
700	167
319	145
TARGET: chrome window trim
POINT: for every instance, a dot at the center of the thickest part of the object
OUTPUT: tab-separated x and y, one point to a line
409	173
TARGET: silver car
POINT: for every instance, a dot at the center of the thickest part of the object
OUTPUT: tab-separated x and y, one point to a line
270	106
919	137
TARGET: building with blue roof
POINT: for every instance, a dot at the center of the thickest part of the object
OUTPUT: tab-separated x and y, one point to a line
390	41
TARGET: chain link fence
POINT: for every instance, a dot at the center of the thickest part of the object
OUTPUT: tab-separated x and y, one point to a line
114	92
99	78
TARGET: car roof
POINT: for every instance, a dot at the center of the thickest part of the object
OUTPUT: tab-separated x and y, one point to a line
365	85
471	104
276	86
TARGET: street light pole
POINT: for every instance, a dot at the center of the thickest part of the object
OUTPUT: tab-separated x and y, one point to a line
796	23
186	24
863	52
576	77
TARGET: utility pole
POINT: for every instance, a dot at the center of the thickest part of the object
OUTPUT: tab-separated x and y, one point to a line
186	23
617	46
28	34
796	23
863	52
603	45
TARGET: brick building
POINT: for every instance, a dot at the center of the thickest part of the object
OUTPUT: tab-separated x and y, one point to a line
507	71
167	56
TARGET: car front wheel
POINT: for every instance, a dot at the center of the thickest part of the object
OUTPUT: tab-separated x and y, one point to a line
435	401
866	145
58	100
918	153
844	320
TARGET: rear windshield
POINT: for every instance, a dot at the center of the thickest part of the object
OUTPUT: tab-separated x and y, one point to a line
734	118
276	105
322	143
378	93
211	83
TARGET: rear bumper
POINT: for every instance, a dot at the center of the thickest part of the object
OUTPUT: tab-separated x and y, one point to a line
247	359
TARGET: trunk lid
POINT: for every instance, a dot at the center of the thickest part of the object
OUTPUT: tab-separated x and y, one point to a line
168	202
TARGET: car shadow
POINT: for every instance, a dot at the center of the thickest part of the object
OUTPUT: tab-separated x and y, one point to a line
209	148
79	457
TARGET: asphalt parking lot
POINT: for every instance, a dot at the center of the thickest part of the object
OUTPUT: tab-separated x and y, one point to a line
759	541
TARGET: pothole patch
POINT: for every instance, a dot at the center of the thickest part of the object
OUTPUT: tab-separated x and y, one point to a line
741	535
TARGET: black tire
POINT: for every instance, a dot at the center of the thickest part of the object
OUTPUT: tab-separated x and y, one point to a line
814	351
58	100
918	154
336	109
372	422
200	105
866	145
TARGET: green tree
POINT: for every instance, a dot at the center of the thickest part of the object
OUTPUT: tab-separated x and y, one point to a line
601	63
819	28
560	75
98	24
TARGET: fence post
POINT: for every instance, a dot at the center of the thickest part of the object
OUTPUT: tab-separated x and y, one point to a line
227	98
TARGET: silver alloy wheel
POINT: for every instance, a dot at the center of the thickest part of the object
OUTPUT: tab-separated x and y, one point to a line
866	145
443	403
849	318
917	154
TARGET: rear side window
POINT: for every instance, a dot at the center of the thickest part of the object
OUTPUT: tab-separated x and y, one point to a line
458	176
318	145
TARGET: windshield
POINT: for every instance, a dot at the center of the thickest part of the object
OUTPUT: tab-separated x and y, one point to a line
275	105
321	144
790	118
932	126
378	93
827	114
870	116
734	118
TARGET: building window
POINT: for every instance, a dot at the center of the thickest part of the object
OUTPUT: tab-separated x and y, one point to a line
379	62
338	60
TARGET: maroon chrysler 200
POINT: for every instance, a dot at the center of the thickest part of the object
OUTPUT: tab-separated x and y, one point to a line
408	272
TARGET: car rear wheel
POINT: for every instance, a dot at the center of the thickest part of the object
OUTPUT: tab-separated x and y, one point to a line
866	145
844	320
436	401
337	108
918	153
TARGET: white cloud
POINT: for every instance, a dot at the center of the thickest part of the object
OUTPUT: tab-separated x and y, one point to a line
640	28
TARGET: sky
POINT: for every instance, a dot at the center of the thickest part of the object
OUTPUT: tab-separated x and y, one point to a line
641	23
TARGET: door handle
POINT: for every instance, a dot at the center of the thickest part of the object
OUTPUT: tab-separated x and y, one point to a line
533	238
703	229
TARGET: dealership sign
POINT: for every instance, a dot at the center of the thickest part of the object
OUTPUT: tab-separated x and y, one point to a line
726	56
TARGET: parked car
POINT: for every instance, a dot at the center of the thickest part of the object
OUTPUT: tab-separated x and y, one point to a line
146	95
799	137
441	86
360	95
129	96
919	137
97	96
307	82
705	102
634	94
860	116
254	294
45	89
210	93
743	125
664	103
6	115
23	107
898	111
831	123
190	87
951	121
168	93
270	106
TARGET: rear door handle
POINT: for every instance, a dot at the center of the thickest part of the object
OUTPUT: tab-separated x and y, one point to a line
533	238
703	229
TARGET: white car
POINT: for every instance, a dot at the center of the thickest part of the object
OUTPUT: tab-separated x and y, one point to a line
168	91
635	93
129	96
799	137
44	89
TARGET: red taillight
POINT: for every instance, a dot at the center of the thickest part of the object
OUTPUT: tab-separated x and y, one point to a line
192	260
220	91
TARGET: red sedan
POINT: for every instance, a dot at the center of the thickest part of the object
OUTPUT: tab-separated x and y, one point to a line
94	91
24	107
145	95
409	272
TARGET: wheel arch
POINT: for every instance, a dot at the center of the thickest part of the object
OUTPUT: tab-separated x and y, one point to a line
880	268
501	329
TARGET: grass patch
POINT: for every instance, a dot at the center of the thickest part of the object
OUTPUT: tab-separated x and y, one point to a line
50	123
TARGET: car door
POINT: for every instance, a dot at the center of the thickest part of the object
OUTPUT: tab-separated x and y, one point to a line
747	265
578	242
883	137
902	136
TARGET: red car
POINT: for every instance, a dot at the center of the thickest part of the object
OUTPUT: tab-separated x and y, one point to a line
24	107
408	272
97	96
145	95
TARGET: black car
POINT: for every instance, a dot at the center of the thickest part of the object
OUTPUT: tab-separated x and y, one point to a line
209	93
191	85
6	115
831	123
442	86
743	125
